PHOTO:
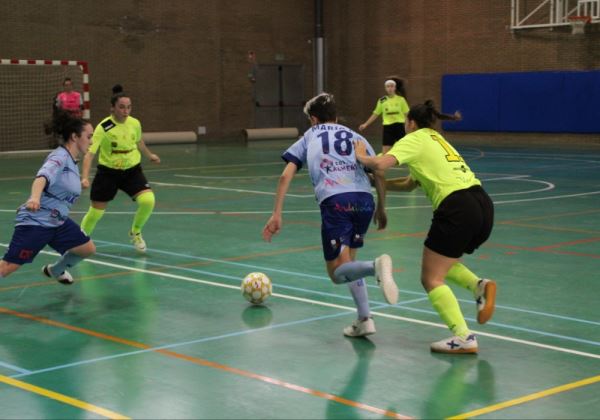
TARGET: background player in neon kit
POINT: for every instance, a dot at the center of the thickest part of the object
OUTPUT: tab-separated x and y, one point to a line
43	219
118	139
343	191
462	220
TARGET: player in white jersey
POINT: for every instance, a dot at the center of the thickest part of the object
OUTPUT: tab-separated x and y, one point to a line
343	192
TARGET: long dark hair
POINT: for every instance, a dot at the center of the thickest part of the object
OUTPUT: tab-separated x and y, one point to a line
64	124
425	115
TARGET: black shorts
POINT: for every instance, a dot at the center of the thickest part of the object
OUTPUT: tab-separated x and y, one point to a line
461	223
108	181
392	133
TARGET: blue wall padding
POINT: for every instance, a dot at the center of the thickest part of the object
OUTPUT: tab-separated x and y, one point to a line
545	102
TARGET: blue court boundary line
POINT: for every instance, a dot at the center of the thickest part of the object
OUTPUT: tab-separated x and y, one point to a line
190	342
275	270
334	295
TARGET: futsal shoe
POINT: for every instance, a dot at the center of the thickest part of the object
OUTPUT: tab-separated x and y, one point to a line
137	241
64	278
456	345
360	328
385	278
485	298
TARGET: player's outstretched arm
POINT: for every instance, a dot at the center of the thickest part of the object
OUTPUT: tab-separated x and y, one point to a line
33	203
367	123
144	149
85	169
406	184
380	217
376	163
275	222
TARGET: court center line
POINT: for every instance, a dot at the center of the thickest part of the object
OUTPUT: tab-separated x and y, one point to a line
61	398
332	305
528	398
208	363
326	279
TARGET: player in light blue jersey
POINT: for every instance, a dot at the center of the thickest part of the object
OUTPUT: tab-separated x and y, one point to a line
44	218
343	192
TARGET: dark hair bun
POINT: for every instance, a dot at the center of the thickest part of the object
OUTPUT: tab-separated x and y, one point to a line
116	89
429	104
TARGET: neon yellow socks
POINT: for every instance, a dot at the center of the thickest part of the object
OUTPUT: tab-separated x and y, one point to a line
145	206
444	302
463	277
88	224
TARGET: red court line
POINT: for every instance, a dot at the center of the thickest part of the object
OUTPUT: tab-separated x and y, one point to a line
208	363
561	244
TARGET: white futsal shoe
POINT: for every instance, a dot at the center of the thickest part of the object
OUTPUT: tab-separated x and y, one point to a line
385	278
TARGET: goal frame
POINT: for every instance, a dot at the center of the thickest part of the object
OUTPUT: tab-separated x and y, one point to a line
83	65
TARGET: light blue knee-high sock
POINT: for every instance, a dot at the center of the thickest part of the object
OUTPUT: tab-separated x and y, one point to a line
65	262
353	270
358	289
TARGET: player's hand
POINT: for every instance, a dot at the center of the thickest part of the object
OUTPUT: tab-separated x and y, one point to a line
457	116
380	218
154	158
272	227
32	204
362	127
360	148
85	183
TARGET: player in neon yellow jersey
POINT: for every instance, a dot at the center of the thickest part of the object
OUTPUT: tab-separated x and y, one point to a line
463	218
118	139
392	108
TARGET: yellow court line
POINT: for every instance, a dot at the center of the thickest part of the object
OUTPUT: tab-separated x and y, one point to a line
62	398
527	398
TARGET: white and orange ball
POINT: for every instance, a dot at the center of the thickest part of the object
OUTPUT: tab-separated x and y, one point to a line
256	288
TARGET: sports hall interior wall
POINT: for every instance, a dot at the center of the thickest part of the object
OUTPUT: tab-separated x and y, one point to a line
422	40
185	62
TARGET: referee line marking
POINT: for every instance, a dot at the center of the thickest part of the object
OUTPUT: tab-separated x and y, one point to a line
528	398
332	305
231	261
62	398
207	363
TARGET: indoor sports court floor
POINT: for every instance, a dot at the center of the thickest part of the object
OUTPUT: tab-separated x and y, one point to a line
168	334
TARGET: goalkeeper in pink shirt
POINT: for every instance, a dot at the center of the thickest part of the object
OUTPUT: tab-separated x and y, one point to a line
69	100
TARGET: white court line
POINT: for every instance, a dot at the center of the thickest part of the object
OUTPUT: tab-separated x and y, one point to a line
206	187
333	305
237	165
219	177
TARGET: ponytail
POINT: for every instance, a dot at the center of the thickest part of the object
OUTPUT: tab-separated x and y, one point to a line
117	93
425	115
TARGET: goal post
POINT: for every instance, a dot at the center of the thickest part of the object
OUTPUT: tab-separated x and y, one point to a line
28	89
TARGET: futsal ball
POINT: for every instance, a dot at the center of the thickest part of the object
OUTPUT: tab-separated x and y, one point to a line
256	288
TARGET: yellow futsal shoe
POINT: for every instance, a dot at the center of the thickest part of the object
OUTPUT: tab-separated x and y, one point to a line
137	241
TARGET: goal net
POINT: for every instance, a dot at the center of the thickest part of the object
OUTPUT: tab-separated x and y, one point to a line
28	90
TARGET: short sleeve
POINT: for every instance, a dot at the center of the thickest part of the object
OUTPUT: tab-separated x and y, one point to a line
138	132
404	106
97	139
378	108
52	167
406	150
296	153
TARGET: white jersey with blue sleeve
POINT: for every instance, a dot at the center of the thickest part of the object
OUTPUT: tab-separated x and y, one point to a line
63	188
328	152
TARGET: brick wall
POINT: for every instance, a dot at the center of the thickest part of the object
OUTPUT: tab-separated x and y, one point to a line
184	62
421	40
